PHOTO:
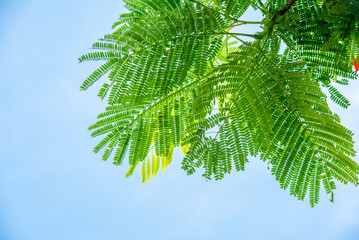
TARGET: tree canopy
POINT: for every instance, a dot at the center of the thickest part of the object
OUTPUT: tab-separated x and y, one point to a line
181	74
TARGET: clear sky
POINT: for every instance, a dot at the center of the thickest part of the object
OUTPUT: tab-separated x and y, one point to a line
52	187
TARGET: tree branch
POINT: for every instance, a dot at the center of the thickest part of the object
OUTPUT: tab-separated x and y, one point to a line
287	6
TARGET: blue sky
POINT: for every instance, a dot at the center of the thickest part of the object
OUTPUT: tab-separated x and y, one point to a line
52	187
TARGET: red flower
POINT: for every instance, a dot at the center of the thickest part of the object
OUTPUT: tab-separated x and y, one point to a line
356	66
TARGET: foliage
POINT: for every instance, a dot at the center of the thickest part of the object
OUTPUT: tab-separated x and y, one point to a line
179	75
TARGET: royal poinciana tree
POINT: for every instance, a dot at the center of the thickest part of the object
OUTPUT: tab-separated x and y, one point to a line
181	75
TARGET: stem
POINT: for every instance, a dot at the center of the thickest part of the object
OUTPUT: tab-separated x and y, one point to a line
261	4
250	22
255	36
223	14
219	6
261	7
239	39
245	22
230	17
